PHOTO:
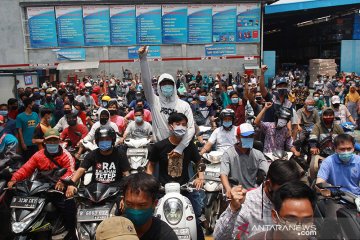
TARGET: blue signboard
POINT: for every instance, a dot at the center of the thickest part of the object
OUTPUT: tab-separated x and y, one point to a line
219	50
199	24
174	24
96	25
248	20
123	25
148	24
224	23
153	52
71	54
42	27
69	26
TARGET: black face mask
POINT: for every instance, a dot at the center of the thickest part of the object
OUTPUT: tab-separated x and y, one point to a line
48	99
112	112
336	105
72	122
67	111
14	108
282	92
103	121
101	84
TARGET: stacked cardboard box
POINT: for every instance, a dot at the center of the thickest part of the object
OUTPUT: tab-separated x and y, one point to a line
321	67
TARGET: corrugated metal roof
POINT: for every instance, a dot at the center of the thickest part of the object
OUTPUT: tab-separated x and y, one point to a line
304	5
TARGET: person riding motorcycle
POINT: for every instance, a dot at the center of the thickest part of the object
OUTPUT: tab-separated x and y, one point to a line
325	128
51	158
277	134
109	163
308	117
223	136
8	144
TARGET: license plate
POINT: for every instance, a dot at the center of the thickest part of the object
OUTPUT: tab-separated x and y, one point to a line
182	233
24	202
92	215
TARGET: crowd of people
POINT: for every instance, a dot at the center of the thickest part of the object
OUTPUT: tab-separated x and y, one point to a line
241	110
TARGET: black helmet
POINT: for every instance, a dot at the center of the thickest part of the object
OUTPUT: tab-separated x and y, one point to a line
227	113
105	131
283	113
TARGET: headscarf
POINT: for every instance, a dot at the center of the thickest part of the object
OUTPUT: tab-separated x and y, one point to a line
353	97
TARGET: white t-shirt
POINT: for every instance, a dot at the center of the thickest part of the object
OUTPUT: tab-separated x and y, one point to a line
223	139
342	113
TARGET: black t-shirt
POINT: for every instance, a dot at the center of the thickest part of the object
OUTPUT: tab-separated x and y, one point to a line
173	170
159	230
106	169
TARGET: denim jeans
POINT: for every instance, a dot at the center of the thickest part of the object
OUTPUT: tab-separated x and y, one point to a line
197	199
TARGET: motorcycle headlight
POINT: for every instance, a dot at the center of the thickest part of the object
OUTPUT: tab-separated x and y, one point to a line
173	210
18	227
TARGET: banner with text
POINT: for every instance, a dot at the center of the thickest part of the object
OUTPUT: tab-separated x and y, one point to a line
153	52
123	25
96	25
71	54
224	23
219	50
148	24
248	20
199	24
69	26
174	24
42	27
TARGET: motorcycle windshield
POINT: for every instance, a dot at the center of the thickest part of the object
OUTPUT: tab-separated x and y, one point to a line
97	192
30	188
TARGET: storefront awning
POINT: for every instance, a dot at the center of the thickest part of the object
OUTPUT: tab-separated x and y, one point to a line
77	65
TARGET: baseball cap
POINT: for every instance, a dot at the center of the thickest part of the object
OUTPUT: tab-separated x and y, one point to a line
335	99
51	133
245	129
116	228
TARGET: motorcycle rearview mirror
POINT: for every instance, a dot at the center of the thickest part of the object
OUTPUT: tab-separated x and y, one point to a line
201	167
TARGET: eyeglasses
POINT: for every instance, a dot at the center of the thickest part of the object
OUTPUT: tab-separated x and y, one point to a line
294	220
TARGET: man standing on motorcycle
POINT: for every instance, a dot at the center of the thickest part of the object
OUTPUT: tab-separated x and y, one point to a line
165	104
52	157
140	193
343	167
175	169
109	164
277	134
242	162
255	209
224	136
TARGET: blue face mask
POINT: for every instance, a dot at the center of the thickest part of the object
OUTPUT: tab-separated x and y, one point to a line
104	104
138	119
345	157
310	108
190	99
229	91
227	124
42	94
167	90
138	216
4	113
105	145
202	98
37	102
235	100
75	111
247	142
52	148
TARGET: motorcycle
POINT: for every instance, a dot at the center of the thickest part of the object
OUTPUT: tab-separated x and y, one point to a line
346	224
96	202
32	213
213	189
176	210
137	153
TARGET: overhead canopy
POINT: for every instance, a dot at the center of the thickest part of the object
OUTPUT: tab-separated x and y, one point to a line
77	65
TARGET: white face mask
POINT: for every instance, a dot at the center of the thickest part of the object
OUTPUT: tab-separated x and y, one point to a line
281	123
179	131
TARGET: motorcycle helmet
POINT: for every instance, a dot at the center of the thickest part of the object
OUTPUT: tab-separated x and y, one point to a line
105	131
227	113
88	85
281	80
283	113
105	101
